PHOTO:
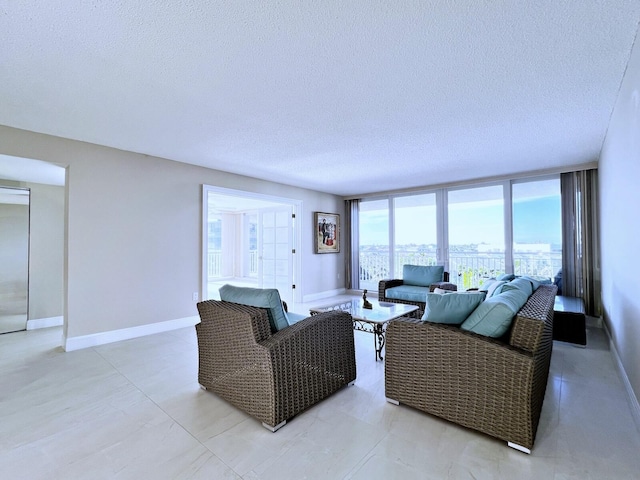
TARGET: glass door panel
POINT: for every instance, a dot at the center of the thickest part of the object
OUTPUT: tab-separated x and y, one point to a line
537	228
415	231
275	268
374	243
476	235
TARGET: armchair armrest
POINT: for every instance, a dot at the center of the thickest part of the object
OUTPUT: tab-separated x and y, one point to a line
387	283
231	362
444	286
325	339
475	381
317	353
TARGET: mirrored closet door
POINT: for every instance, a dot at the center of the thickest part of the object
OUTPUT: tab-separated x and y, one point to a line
14	259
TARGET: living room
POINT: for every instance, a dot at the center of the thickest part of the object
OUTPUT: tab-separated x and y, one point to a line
119	277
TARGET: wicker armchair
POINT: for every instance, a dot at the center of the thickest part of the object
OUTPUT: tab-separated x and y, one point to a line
493	386
273	377
385	284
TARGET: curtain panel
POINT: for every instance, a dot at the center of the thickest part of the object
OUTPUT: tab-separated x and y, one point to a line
352	241
580	248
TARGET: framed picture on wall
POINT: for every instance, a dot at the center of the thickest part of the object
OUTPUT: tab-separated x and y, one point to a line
326	232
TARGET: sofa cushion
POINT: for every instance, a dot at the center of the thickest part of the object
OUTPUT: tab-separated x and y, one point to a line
521	284
535	282
451	308
294	317
493	317
268	298
540	279
421	275
410	293
507	277
492	287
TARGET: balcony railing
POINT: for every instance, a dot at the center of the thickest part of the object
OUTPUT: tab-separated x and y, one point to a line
466	269
214	263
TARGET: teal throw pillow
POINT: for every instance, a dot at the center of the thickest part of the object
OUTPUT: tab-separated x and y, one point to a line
507	277
268	298
421	275
493	317
495	288
521	284
451	308
534	282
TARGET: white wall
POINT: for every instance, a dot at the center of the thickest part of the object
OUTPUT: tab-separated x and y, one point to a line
619	176
133	232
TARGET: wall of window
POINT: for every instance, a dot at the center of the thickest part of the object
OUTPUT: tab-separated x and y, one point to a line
476	232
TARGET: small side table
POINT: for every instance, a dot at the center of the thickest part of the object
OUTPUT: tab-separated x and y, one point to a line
569	320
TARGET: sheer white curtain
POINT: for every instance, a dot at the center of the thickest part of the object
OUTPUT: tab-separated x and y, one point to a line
352	242
580	248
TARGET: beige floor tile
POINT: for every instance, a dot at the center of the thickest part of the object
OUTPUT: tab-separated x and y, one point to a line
133	409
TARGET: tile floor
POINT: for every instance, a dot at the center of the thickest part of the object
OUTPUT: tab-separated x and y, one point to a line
133	410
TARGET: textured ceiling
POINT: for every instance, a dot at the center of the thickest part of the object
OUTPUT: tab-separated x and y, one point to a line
336	96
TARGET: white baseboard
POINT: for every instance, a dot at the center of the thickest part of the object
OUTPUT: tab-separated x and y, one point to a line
93	340
633	400
326	294
44	322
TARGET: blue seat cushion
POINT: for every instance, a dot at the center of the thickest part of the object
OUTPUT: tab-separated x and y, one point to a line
411	293
422	276
493	317
295	317
268	298
451	308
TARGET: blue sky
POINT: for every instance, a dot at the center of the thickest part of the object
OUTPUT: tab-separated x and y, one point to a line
535	220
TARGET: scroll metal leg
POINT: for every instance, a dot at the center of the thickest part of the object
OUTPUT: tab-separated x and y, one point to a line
379	339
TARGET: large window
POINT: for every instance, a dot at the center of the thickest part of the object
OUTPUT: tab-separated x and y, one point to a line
475	232
415	231
374	243
476	235
537	228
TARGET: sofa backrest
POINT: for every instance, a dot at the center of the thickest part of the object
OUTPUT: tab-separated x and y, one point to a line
422	275
532	329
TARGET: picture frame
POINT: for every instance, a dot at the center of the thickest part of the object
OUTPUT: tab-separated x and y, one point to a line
326	232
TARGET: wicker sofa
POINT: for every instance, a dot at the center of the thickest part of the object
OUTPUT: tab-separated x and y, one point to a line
416	282
495	386
273	376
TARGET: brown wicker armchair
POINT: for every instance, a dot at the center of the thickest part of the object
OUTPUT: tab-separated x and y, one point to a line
384	285
493	386
273	377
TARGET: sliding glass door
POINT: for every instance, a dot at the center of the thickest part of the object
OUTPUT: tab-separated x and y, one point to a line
476	235
374	243
537	228
415	235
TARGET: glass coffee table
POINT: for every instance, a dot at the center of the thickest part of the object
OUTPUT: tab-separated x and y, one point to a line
373	321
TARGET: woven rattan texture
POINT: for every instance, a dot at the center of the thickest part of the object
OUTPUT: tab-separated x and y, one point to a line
475	381
273	377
